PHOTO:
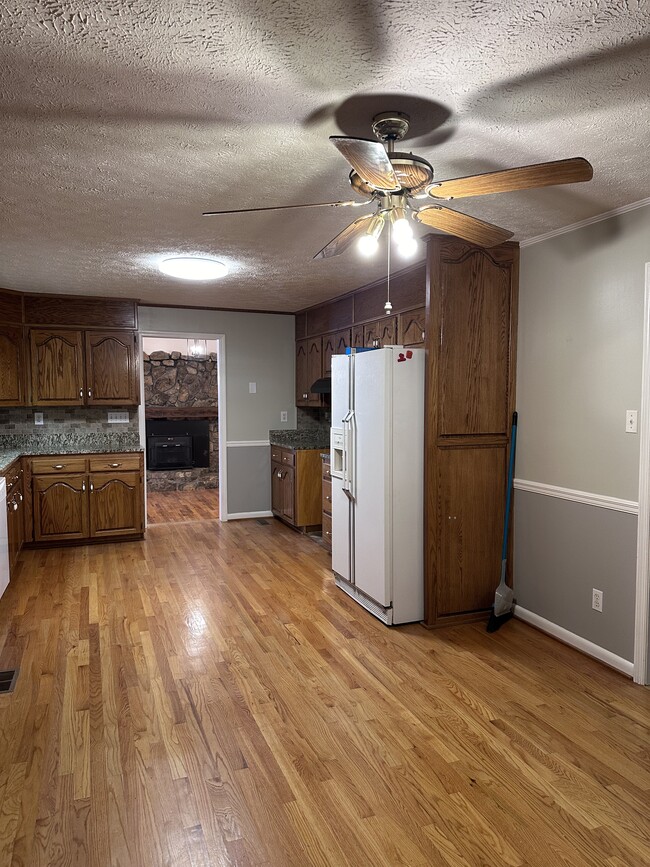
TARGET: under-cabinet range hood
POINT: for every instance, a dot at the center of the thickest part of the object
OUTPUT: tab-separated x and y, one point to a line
322	386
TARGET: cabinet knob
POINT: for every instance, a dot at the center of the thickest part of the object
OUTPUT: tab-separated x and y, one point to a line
92	488
327	533
90	392
114	466
83	487
328	498
58	466
81	393
279	474
305	396
15	505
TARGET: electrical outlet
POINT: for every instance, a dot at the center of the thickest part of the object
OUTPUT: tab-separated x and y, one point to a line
38	418
118	418
252	388
597	600
283	415
630	420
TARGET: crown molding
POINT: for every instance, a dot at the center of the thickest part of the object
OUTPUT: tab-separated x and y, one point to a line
633	206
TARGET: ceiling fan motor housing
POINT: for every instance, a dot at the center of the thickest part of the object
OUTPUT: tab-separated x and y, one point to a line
413	173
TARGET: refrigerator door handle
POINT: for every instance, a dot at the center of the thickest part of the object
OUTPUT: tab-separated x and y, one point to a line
346	447
351	455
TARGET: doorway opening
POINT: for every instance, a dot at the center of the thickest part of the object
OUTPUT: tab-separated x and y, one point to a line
181	421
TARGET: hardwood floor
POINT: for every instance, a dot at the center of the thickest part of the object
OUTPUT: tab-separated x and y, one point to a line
208	697
165	507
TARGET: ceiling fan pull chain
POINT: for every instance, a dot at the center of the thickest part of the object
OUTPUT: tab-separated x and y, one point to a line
388	306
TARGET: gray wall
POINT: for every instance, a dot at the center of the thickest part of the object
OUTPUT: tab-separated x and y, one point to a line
259	348
578	370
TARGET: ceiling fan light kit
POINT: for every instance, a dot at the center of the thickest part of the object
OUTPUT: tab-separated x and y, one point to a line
391	180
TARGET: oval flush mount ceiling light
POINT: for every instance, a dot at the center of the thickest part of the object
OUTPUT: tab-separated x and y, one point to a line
193	268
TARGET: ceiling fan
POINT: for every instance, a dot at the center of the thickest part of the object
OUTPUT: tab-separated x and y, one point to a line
393	181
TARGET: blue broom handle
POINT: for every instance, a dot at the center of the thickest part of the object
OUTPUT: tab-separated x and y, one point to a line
511	470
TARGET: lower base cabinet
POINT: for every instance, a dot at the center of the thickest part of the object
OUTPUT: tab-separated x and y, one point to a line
79	498
296	486
15	513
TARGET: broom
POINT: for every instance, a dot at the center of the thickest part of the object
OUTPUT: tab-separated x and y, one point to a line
504	597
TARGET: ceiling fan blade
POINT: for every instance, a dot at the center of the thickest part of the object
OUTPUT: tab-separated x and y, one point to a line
571	171
463	226
346	238
369	160
285	208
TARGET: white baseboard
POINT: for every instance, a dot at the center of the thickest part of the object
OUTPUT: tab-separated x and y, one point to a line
573	640
244	516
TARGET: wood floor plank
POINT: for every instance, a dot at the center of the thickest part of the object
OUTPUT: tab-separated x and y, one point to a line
208	697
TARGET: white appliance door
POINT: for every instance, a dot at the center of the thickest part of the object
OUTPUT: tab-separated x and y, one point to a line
342	515
4	538
373	500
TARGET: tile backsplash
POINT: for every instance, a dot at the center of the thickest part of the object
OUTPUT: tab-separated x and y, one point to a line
66	428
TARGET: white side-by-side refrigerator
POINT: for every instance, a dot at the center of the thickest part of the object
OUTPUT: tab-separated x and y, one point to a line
377	467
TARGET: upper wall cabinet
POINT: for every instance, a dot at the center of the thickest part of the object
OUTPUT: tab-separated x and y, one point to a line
111	368
309	361
75	368
57	364
412	326
12	367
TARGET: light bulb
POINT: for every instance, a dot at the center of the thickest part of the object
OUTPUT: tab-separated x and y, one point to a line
193	268
367	245
402	230
407	247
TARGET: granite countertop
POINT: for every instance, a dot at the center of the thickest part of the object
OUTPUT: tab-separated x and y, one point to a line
300	439
13	447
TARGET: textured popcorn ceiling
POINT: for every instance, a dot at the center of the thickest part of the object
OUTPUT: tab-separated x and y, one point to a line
122	120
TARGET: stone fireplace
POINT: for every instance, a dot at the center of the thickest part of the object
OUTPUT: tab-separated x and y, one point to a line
179	387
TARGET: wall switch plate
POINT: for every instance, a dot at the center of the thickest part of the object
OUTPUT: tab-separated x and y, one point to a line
597	600
38	418
252	387
630	420
118	418
283	415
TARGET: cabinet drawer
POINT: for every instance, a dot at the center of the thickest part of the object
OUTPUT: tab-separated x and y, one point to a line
107	463
276	454
288	458
327	496
327	530
327	475
58	464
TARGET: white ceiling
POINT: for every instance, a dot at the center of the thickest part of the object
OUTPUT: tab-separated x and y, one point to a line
123	122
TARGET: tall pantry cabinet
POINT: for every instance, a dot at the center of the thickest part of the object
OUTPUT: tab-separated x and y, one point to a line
470	392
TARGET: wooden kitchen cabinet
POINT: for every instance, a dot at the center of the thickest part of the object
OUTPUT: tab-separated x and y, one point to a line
334	344
309	368
295	486
79	497
111	368
115	504
84	368
15	513
57	365
380	333
12	366
60	507
411	327
326	503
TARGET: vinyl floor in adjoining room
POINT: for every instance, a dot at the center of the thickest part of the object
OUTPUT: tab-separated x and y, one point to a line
209	697
165	507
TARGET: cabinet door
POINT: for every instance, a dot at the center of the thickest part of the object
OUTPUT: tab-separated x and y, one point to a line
12	367
111	368
381	332
411	327
57	368
60	507
308	370
357	336
277	488
334	344
288	494
115	504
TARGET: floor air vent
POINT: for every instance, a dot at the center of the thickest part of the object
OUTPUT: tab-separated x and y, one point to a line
262	521
8	680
